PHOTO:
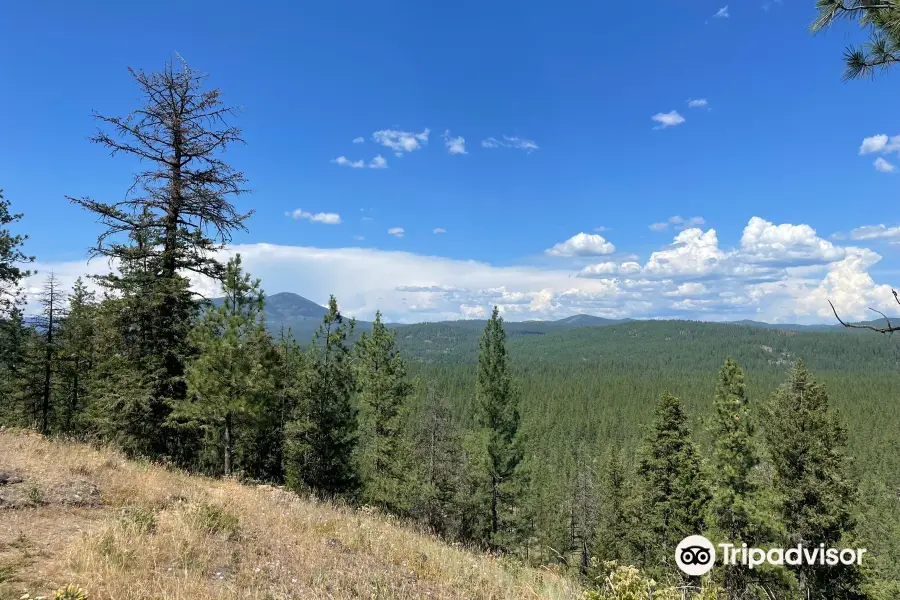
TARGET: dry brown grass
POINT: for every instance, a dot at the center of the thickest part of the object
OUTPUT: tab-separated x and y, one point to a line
156	534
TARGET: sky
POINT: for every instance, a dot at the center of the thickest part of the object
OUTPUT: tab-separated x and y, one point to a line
672	159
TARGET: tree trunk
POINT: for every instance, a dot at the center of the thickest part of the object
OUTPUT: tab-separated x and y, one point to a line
227	444
495	519
45	399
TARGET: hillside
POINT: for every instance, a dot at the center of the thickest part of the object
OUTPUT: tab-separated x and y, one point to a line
287	310
120	529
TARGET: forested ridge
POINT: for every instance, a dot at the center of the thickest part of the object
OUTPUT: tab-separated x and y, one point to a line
596	449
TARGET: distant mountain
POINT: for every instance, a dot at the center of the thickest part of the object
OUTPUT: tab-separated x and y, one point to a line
303	316
588	321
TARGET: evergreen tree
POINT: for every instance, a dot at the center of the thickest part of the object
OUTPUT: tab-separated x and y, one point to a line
673	490
816	495
144	322
736	505
497	415
881	18
49	323
613	527
77	352
11	260
176	215
440	461
321	439
383	390
260	449
229	380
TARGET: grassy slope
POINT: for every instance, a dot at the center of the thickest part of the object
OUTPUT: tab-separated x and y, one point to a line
150	533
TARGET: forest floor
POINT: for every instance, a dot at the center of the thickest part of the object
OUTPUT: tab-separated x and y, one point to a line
125	530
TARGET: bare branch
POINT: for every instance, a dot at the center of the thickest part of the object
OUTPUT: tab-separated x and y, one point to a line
889	329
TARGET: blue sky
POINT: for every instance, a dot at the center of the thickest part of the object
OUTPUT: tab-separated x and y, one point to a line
568	89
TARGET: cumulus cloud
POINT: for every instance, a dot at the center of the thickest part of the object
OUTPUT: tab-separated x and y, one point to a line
510	142
397	232
455	145
690	288
438	230
778	273
322	217
872	232
884	166
582	244
610	268
698	103
763	241
677	223
345	162
880	143
359	140
669	119
401	141
850	288
379	162
693	252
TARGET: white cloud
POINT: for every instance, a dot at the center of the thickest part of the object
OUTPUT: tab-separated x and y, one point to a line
407	287
677	222
763	241
438	230
582	244
455	145
326	218
722	13
601	229
379	162
850	288
698	103
669	119
397	232
872	232
359	140
345	162
359	238
690	288
884	166
401	141
880	143
510	142
693	252
610	268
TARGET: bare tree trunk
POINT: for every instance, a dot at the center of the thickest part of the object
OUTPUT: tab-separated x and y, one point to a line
48	358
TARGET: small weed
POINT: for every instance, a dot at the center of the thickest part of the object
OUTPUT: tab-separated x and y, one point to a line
70	592
139	520
217	520
7	572
35	495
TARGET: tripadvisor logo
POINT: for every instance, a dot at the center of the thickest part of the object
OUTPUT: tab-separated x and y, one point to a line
695	555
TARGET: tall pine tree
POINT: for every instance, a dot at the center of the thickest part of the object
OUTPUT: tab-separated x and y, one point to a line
497	416
383	390
736	506
76	353
229	379
12	260
320	441
816	495
178	212
673	490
